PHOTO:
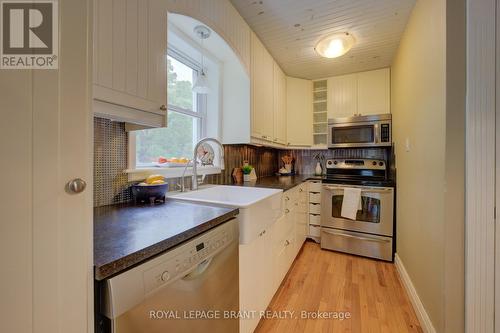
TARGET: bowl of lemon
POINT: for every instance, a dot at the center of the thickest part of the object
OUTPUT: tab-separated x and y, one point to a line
151	190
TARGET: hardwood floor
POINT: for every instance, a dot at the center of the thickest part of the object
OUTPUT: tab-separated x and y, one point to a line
331	282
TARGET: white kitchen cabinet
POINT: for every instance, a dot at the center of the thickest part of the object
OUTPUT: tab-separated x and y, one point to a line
130	73
256	277
374	92
299	112
279	80
301	219
342	91
283	238
262	91
364	93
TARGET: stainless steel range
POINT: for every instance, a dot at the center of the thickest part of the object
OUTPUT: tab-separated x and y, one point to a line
370	232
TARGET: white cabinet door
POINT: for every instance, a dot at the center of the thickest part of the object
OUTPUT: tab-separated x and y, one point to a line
256	278
342	91
262	69
301	218
299	112
130	44
279	80
374	92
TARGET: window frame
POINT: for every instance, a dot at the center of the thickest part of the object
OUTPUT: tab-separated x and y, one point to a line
200	114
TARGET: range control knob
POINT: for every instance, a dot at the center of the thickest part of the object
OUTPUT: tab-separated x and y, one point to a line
165	276
335	162
374	163
329	162
381	163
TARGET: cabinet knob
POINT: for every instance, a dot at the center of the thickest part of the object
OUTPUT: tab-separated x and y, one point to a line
76	186
287	211
163	107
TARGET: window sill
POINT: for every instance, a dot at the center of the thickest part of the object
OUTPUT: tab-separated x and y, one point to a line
142	173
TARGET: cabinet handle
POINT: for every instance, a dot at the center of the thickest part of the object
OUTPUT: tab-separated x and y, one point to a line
287	211
163	107
287	242
275	139
287	198
301	190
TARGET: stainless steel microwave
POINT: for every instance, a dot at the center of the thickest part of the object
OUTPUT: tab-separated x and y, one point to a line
360	131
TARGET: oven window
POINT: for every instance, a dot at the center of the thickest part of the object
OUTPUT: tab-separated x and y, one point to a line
353	134
370	209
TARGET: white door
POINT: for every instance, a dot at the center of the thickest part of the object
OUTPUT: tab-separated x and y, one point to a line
45	232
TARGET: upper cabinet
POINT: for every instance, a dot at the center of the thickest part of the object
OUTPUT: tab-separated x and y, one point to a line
130	47
342	96
364	93
262	100
279	80
374	92
299	116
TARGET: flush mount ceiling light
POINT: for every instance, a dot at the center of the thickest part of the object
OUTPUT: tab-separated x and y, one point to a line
336	45
201	84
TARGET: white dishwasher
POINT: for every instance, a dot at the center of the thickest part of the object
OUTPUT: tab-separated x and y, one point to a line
191	288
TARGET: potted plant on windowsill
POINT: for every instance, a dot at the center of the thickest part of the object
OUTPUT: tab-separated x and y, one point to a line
247	169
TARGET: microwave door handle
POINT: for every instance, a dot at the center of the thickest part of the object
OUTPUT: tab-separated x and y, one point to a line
376	128
356	237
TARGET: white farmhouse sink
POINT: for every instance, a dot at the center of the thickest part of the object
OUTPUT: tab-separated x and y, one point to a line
259	207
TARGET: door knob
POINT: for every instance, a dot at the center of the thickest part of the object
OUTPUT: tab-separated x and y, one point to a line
163	108
76	185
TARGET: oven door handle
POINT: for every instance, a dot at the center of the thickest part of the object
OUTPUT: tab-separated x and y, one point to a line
357	237
364	190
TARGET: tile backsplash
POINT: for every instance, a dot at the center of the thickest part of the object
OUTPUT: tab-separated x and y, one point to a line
111	184
110	159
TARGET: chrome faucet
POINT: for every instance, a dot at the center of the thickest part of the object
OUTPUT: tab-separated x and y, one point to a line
194	183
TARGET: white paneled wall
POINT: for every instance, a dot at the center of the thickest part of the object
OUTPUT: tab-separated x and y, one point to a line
480	167
222	17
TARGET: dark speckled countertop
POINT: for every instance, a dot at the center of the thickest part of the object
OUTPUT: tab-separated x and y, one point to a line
280	182
125	235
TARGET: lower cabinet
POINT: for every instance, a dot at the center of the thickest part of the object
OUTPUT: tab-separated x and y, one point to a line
265	261
256	279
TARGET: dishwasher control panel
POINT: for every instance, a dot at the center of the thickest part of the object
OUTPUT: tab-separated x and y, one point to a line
187	258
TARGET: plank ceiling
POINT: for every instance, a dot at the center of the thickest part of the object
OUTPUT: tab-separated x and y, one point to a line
291	28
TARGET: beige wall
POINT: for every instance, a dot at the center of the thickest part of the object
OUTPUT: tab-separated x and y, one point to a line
419	118
428	105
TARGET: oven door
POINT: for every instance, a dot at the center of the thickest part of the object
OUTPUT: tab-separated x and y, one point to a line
362	134
375	216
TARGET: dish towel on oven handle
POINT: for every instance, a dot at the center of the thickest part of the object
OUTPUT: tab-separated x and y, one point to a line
351	203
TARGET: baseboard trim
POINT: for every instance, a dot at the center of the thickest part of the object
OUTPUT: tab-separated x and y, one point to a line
422	315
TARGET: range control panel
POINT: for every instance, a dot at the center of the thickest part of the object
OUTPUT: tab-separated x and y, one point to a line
186	258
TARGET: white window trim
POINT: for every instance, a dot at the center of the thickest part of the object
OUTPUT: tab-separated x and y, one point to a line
138	173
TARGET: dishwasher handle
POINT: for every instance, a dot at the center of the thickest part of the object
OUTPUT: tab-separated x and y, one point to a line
199	270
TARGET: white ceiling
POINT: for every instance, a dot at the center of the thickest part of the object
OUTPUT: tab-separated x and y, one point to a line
291	28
